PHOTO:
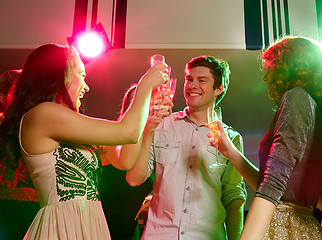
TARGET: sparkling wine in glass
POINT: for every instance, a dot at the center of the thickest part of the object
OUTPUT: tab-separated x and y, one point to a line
169	88
214	116
155	59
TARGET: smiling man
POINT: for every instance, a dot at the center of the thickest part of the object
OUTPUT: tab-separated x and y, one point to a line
192	199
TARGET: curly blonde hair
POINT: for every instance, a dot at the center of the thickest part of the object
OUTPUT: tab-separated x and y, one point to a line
293	62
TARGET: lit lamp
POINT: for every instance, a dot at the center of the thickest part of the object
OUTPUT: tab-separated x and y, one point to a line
90	44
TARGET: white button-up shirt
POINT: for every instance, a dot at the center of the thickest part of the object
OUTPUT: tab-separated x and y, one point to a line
190	194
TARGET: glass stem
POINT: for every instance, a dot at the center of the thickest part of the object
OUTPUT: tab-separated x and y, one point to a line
160	95
217	151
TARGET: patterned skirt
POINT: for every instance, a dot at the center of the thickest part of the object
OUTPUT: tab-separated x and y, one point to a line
291	221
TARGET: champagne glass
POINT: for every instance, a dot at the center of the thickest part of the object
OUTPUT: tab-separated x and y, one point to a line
155	59
214	116
168	89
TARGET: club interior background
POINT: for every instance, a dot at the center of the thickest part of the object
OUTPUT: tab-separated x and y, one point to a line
234	30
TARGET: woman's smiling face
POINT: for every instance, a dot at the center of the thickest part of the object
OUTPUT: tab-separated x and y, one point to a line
77	86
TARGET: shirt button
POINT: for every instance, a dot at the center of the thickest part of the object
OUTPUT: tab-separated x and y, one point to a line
190	166
193	147
167	145
185	210
197	129
182	233
187	188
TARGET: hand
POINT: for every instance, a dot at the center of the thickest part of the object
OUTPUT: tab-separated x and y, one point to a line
161	104
159	111
156	75
214	132
225	145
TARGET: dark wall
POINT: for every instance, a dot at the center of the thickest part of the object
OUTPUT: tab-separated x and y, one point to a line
12	58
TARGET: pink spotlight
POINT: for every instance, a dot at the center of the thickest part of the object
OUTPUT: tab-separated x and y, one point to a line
90	44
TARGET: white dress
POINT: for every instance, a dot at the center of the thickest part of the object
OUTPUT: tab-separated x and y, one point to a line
66	181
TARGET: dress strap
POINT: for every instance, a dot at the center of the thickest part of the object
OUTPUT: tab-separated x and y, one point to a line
20	142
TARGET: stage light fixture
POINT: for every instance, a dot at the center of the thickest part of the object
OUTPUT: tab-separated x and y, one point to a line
91	44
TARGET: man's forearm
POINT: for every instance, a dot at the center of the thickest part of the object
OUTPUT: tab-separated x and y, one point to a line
235	218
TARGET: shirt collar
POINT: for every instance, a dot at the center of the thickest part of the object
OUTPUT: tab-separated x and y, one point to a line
184	115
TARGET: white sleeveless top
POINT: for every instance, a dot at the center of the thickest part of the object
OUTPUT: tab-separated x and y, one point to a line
66	181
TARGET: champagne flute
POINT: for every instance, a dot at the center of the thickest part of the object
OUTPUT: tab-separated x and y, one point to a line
214	116
155	59
168	89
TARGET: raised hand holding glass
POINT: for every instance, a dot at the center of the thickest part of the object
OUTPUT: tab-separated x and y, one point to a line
166	89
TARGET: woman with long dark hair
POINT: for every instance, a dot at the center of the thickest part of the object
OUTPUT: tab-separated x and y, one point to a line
42	124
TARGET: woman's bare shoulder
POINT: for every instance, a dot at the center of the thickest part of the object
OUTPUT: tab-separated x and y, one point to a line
47	109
